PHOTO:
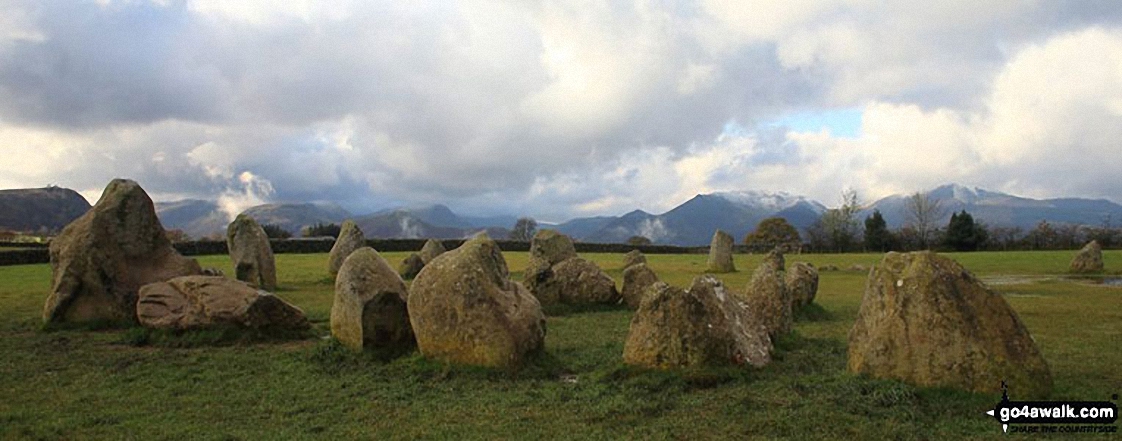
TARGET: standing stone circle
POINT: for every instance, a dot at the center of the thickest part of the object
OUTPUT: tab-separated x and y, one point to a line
252	255
767	297
703	326
350	239
369	310
633	257
720	253
195	302
100	260
1089	259
802	283
926	320
636	279
465	309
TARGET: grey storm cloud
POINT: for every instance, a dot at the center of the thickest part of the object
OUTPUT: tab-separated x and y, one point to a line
540	107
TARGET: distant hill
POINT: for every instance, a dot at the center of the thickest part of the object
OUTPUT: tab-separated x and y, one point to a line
200	218
693	222
294	217
196	217
1002	209
442	216
47	209
403	223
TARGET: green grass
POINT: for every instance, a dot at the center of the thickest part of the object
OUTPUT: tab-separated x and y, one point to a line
132	383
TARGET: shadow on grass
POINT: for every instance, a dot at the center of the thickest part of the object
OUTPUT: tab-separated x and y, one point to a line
813	313
217	336
562	309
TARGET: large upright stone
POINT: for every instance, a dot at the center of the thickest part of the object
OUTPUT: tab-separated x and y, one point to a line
1089	259
704	326
556	275
252	255
633	257
928	321
802	284
198	302
465	309
431	249
720	253
369	310
100	261
636	280
548	248
350	239
767	296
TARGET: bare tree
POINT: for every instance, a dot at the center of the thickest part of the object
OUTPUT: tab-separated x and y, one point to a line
923	213
837	228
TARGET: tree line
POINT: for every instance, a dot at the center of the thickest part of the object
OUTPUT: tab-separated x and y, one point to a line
840	230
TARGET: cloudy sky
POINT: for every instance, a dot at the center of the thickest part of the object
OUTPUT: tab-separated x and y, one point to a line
559	109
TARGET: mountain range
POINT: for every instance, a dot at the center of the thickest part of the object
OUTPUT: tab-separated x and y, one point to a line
690	224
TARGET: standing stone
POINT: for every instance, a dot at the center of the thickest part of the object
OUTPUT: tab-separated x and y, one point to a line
767	297
431	249
101	259
720	253
465	309
369	310
636	279
802	284
196	302
1089	259
556	275
411	266
928	321
252	255
704	326
574	281
350	239
549	248
633	257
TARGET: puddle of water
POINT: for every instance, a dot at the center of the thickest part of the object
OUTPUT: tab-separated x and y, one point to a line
1026	279
1112	281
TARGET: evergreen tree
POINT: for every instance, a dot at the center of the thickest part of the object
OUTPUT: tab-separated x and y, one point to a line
877	236
963	234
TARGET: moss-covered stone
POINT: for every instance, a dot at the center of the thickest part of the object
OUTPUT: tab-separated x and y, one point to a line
251	253
369	310
199	302
633	257
704	326
465	309
802	284
926	320
1089	259
720	253
636	279
100	261
350	239
767	297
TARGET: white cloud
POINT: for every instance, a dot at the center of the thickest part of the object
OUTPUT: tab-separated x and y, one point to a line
556	108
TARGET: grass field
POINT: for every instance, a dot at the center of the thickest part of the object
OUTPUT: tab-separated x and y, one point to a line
128	383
